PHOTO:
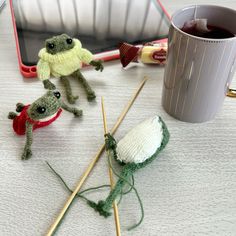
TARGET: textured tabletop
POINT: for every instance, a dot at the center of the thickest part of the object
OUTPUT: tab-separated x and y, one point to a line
190	190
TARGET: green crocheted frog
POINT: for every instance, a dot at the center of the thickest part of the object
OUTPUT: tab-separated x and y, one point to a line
40	113
63	56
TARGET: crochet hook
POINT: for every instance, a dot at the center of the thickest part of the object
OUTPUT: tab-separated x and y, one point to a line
54	226
115	208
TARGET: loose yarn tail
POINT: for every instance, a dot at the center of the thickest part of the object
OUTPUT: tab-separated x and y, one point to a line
103	207
79	194
131	168
126	173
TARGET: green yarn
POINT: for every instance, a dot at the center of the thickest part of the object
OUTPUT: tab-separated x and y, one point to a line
110	142
59	43
124	193
70	97
48	84
90	93
79	194
122	177
73	110
130	189
27	153
34	115
89	202
97	64
63	56
19	107
125	178
52	104
49	102
103	207
11	115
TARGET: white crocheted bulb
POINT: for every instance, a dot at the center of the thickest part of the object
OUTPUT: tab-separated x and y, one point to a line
141	142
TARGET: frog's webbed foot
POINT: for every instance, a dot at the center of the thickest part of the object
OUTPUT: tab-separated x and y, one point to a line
19	107
70	97
49	85
77	112
97	64
12	115
100	208
73	110
91	96
26	154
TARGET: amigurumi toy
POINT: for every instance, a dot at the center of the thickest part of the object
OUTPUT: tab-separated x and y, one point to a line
63	56
136	150
40	113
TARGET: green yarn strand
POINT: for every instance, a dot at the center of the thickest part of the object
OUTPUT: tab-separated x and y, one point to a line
58	176
131	187
79	194
124	193
125	177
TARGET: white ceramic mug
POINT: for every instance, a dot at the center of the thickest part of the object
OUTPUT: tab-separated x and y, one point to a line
199	70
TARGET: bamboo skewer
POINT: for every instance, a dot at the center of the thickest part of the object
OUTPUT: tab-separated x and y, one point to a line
115	208
93	162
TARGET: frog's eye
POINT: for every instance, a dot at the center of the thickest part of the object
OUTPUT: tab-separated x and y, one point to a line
69	41
41	110
51	45
57	95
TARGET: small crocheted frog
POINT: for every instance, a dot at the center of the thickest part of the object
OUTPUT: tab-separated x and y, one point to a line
137	149
63	56
40	113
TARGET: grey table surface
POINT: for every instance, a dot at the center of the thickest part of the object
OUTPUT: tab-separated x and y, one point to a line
189	190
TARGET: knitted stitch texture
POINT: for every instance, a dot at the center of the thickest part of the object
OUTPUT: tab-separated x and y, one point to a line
66	83
62	63
20	121
63	56
103	207
40	113
140	142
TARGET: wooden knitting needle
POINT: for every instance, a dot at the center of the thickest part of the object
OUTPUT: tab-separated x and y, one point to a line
93	162
115	208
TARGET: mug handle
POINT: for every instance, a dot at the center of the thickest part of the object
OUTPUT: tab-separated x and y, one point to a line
231	93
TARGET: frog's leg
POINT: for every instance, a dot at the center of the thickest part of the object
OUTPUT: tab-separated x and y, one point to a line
12	115
73	110
48	84
89	91
70	97
19	107
29	139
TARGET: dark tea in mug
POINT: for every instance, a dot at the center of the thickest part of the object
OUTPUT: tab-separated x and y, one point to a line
213	33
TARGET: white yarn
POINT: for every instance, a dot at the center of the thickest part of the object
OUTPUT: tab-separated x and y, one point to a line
141	142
